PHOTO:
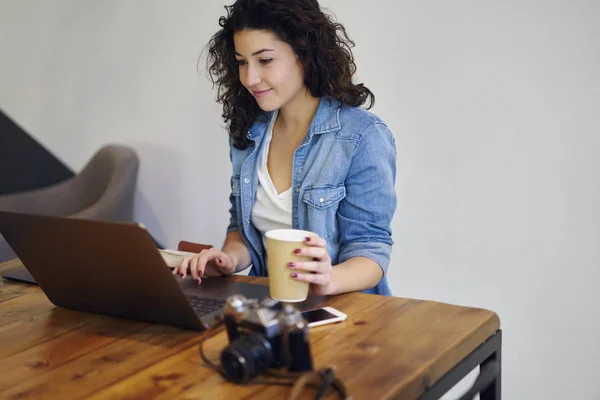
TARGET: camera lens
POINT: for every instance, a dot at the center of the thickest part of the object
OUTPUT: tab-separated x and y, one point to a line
246	357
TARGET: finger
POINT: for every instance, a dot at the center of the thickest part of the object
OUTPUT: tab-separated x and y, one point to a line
193	266
210	256
182	269
317	279
221	263
314	252
311	266
197	268
316	241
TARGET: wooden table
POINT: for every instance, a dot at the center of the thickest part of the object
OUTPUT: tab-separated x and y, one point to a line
388	347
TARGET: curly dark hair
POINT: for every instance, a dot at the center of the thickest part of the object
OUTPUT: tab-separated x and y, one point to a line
321	44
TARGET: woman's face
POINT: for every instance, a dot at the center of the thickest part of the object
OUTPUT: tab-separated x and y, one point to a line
268	68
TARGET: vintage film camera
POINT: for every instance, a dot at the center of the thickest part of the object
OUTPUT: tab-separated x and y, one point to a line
265	334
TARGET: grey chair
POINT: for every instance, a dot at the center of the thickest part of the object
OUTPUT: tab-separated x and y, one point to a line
103	190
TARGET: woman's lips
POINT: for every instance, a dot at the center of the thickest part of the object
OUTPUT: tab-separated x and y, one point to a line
260	93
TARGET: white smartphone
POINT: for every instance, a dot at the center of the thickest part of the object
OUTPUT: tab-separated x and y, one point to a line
322	316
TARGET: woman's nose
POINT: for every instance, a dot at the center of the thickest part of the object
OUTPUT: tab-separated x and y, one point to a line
252	76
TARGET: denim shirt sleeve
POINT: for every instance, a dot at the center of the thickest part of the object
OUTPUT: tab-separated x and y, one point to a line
233	219
235	192
365	214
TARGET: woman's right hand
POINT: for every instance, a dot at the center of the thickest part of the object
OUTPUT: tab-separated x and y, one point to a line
209	262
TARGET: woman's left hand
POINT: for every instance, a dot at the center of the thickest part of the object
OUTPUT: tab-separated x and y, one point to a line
318	270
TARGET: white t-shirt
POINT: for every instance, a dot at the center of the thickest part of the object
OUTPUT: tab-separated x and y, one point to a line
271	210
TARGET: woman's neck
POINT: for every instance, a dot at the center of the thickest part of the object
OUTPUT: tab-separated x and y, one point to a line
298	114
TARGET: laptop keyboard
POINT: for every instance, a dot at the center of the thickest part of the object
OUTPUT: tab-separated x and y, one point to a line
205	305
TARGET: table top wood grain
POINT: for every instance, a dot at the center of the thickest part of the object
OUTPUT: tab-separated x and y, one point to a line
389	347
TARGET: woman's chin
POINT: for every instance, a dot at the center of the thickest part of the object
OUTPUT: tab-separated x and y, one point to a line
267	106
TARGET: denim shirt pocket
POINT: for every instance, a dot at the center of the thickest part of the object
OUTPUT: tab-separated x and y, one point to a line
322	206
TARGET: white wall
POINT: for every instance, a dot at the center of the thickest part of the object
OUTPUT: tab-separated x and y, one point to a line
493	105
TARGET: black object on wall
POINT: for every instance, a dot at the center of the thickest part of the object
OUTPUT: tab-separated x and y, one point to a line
24	163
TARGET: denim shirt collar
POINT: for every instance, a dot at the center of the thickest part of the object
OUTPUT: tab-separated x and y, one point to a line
326	119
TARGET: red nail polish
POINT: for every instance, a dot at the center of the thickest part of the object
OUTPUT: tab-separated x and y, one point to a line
294	275
197	281
292	265
181	275
297	251
307	239
219	261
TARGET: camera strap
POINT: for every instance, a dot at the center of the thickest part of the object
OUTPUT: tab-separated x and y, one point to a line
324	379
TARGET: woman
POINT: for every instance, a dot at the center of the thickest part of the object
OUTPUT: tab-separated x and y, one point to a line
304	154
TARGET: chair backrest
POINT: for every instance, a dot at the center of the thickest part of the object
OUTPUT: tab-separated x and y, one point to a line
109	181
104	189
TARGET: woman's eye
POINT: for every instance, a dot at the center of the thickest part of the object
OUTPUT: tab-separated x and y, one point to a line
241	62
266	61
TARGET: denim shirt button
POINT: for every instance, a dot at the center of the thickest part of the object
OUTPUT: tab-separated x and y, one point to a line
246	180
321	200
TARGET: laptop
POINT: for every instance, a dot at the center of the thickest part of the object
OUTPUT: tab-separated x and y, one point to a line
115	269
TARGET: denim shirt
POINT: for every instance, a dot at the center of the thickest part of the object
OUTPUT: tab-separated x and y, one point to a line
343	179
